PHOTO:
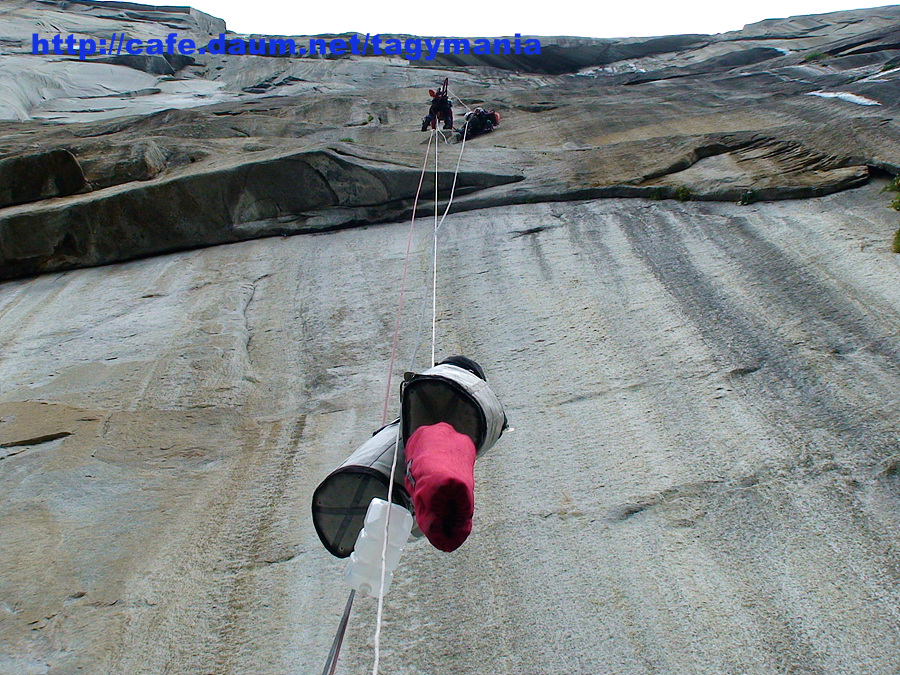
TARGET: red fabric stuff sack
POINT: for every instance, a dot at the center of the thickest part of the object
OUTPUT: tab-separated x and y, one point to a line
440	476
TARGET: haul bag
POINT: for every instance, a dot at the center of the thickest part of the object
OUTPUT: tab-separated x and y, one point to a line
448	393
340	502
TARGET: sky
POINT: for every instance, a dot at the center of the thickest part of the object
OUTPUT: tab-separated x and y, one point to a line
472	18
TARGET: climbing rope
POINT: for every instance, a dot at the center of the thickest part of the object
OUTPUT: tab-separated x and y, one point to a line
422	311
331	662
437	226
462	103
387	525
434	249
412	222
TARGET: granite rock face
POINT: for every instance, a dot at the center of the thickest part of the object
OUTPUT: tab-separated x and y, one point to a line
703	399
672	259
284	194
786	108
34	177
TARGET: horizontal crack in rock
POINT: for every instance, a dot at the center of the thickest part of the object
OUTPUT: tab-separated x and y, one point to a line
37	440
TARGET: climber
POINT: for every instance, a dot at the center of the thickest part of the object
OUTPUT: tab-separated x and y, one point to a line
441	108
448	416
480	121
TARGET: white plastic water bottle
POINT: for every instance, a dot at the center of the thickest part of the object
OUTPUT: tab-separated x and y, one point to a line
364	570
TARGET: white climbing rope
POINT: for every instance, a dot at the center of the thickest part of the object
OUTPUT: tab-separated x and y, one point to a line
384	544
437	226
409	239
462	103
434	249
